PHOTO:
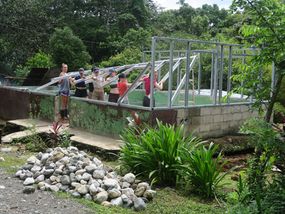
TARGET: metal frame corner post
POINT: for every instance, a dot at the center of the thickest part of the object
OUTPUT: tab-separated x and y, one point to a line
221	74
215	83
199	73
188	54
153	46
170	74
229	81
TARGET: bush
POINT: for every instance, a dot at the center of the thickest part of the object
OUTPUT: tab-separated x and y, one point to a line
155	152
203	170
40	60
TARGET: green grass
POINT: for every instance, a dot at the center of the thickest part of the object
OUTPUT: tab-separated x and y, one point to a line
13	161
167	201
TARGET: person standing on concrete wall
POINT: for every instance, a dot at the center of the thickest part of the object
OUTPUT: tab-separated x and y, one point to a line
64	91
80	86
98	81
114	92
123	86
146	80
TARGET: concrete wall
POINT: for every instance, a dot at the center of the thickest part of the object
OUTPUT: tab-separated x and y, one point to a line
110	120
214	121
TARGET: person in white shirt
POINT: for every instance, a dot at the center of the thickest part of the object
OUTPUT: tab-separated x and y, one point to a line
98	81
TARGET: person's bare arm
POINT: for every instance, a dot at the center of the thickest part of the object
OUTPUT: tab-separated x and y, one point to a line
159	85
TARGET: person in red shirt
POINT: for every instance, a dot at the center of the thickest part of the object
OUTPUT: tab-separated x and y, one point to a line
146	80
123	86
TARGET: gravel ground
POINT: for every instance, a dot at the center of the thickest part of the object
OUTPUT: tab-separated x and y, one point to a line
13	201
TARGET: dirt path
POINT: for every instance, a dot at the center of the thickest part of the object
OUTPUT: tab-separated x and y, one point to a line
13	201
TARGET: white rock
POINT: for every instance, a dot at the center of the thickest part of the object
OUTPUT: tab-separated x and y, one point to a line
144	184
140	191
117	201
80	172
83	182
40	178
53	188
75	184
149	194
2	159
86	176
2	187
29	181
100	197
65	180
35	168
128	192
32	160
139	204
130	178
90	168
106	204
99	174
18	173
110	183
114	193
88	197
82	189
93	189
97	161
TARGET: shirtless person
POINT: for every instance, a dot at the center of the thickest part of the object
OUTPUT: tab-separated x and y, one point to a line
98	93
114	92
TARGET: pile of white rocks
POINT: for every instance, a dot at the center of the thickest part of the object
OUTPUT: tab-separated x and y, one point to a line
74	171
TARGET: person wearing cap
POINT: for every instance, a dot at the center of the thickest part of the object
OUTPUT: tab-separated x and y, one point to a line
81	89
98	81
123	86
114	92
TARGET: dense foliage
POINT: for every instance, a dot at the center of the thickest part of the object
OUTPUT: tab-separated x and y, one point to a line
203	170
155	152
166	157
106	28
262	190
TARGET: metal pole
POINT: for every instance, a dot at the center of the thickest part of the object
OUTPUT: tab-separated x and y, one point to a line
229	81
187	73
199	73
178	79
170	74
212	74
143	57
243	63
216	75
153	44
159	70
221	75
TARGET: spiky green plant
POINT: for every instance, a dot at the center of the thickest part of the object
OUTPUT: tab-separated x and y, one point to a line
155	152
203	170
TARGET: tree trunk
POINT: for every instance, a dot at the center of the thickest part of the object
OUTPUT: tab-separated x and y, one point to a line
273	98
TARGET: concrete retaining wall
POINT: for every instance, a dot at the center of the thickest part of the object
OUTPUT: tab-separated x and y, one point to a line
106	119
215	121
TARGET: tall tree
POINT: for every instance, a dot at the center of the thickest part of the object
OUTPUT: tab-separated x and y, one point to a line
265	27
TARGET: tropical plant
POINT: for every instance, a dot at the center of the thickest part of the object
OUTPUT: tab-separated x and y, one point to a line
155	152
203	170
34	142
40	60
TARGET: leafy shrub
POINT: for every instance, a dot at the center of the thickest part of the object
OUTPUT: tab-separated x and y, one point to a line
40	60
64	139
155	152
22	71
203	170
34	142
265	190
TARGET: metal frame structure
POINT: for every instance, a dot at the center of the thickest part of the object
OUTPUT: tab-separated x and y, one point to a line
171	60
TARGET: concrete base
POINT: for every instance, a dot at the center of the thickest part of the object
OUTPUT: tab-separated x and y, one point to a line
80	137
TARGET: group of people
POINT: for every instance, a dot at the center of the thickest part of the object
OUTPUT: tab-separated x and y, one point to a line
118	87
